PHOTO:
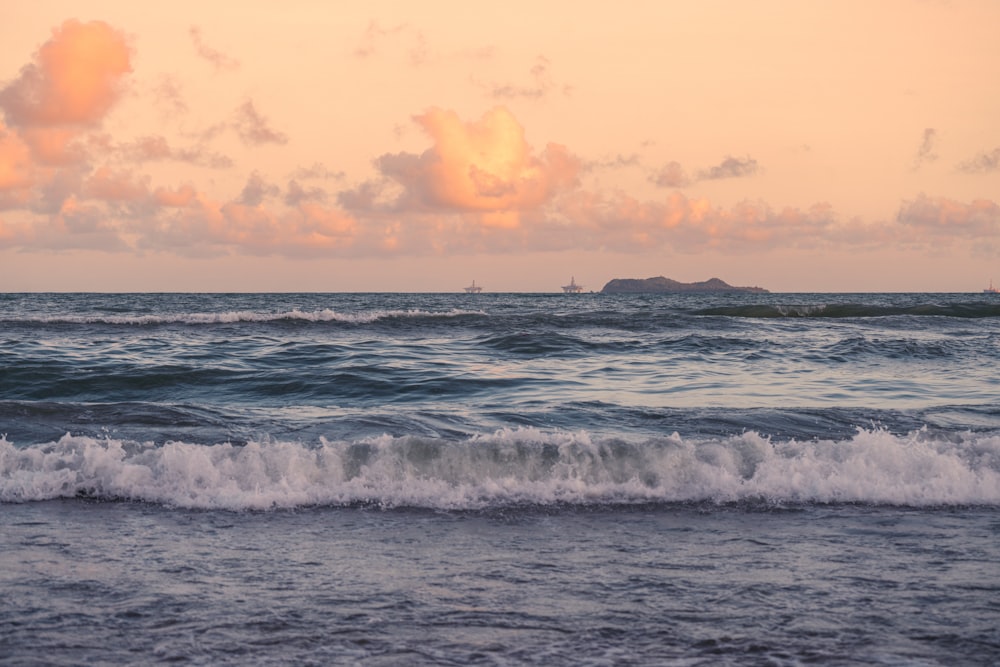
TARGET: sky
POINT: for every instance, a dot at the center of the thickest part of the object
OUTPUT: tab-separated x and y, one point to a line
307	145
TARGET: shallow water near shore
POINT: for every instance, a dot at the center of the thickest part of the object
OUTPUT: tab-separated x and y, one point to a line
97	582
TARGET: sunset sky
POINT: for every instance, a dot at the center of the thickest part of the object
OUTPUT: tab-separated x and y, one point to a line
416	146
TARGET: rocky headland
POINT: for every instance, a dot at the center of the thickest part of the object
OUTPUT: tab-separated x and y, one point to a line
660	284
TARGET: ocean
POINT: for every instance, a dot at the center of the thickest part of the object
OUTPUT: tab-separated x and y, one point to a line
500	479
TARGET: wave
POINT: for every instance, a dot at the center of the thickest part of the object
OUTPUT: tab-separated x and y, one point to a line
524	466
238	316
844	310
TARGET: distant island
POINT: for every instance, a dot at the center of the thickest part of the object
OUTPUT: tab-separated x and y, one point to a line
661	284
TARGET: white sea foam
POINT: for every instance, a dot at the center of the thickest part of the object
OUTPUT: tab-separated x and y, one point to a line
235	316
519	466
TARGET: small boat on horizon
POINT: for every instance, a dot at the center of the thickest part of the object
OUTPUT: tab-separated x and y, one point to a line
473	288
991	289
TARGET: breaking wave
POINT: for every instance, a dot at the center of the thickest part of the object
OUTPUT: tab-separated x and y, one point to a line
524	466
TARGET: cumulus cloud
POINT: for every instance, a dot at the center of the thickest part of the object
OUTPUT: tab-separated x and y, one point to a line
623	223
671	175
122	186
218	59
74	80
178	197
203	227
253	128
257	190
16	166
943	217
982	163
296	194
485	166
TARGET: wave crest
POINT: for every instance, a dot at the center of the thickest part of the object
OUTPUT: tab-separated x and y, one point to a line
510	467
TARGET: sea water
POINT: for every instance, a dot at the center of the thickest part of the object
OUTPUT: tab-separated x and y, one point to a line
499	479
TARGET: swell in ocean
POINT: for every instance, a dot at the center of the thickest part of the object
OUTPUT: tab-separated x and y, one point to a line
458	401
972	309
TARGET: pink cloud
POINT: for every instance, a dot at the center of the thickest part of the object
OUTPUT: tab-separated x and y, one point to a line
205	227
257	190
297	194
485	166
16	167
107	185
179	197
940	216
75	79
677	222
671	175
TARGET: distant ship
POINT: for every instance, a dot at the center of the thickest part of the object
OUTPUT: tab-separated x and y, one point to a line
991	289
473	288
572	288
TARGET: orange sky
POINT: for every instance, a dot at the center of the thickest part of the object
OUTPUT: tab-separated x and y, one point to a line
397	146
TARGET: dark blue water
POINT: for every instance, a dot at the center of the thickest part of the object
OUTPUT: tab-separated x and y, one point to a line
499	479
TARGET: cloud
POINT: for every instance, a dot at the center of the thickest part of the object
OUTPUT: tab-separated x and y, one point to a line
74	80
317	170
257	190
155	148
926	151
671	175
982	163
74	225
218	59
296	194
484	166
168	96
16	166
541	84
111	186
373	35
253	128
617	162
623	223
731	167
417	50
203	227
179	197
941	217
